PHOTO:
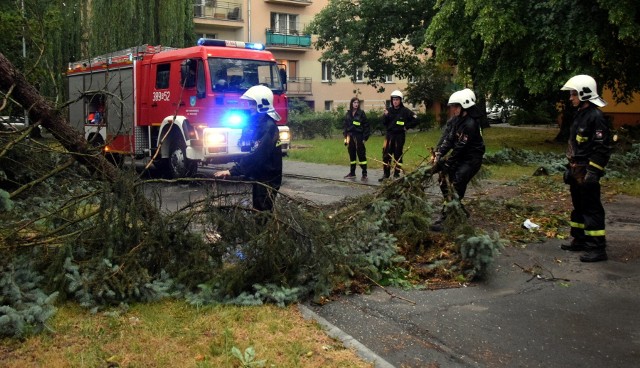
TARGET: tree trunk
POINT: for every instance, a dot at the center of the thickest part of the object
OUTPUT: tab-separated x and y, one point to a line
565	123
41	111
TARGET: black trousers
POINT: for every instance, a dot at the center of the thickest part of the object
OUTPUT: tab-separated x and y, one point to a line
264	194
392	152
460	176
588	215
357	152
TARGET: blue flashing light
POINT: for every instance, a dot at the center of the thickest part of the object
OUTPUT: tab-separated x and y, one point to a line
226	43
254	46
235	119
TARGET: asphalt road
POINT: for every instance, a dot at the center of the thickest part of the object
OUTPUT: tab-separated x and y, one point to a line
539	306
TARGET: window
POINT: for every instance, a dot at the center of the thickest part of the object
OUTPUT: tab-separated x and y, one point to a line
240	75
284	23
327	75
188	73
328	105
162	76
388	78
359	75
209	35
293	68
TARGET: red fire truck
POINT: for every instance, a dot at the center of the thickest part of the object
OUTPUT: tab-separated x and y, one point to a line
177	107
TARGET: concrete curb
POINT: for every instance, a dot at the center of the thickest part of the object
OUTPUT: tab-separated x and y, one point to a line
348	341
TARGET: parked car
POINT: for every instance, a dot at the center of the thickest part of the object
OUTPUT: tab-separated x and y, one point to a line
17	123
12	122
500	112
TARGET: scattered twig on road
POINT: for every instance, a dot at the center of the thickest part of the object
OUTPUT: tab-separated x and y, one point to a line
536	270
390	293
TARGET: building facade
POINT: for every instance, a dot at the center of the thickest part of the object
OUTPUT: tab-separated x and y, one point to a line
280	24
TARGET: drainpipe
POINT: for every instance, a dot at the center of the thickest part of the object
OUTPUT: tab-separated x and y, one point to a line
248	20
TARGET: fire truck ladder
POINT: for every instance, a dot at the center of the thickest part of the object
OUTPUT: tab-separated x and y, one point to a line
125	56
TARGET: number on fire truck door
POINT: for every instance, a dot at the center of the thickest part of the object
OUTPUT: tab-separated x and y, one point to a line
161	93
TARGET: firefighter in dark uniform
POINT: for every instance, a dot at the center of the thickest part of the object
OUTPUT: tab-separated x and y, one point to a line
356	131
464	140
264	164
397	119
588	153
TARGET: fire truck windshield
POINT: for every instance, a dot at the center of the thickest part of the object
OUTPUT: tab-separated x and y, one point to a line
238	75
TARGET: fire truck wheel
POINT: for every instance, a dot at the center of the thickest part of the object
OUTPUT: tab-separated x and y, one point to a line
178	165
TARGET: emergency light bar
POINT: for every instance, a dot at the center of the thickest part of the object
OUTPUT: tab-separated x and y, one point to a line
227	43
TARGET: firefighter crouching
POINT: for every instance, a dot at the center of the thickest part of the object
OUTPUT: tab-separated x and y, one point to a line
264	164
588	153
464	140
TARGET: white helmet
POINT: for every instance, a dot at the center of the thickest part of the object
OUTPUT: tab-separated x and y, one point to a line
586	88
462	97
263	96
396	93
472	95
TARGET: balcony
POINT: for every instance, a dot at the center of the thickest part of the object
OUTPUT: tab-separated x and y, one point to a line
290	2
221	13
299	86
290	40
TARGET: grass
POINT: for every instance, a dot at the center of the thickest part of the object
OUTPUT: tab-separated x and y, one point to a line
173	334
332	151
541	139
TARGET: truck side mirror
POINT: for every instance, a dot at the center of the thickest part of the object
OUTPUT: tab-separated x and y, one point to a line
283	77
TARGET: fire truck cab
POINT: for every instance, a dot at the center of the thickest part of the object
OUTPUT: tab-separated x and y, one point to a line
177	107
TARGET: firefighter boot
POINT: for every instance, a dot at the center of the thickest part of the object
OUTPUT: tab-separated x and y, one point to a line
364	172
576	245
438	225
594	255
595	250
387	173
352	172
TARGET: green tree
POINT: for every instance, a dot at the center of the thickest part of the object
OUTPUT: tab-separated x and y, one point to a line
117	25
431	84
527	50
506	48
385	37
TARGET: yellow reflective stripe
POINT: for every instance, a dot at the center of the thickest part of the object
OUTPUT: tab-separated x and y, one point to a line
353	162
356	123
363	162
400	122
594	232
591	163
581	139
576	225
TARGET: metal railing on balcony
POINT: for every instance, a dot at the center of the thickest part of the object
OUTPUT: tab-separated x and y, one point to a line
214	9
290	38
290	2
298	86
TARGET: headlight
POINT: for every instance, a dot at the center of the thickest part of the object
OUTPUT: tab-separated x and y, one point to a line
215	139
284	136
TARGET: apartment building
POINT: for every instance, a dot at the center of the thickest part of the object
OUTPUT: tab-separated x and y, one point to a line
279	24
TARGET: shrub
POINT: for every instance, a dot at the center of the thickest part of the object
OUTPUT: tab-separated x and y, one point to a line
426	121
309	125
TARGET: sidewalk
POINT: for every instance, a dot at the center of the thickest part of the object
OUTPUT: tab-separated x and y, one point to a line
572	314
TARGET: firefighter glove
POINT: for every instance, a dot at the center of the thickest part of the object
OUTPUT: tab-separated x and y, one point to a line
591	177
